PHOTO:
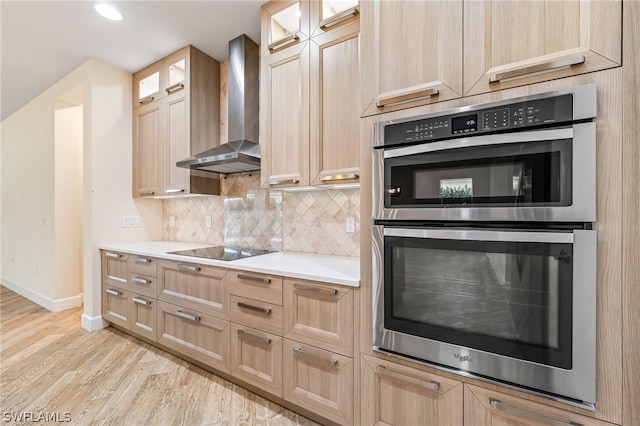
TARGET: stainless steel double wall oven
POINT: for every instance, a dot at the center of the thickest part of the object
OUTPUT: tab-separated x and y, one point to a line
484	249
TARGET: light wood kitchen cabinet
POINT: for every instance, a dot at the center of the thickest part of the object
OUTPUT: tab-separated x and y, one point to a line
327	15
256	313
515	43
115	269
483	407
144	316
411	53
115	306
393	394
202	337
143	271
263	287
147	150
284	24
198	287
319	380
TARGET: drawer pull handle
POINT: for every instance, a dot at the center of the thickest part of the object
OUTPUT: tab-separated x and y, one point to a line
412	93
146	100
189	268
120	280
543	66
140	280
339	177
175	87
187	316
312	289
141	301
254	308
113	292
384	371
113	255
248	336
332	362
174	191
520	412
339	17
282	181
254	278
141	260
283	42
147	193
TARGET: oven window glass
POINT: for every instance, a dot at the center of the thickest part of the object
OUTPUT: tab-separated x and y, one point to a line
510	298
518	174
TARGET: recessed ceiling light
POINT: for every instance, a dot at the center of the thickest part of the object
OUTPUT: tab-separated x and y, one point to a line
108	11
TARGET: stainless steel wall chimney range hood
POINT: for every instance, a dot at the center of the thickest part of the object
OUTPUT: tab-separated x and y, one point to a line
242	152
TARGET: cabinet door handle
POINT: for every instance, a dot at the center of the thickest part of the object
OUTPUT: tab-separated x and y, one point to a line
282	181
339	177
175	87
113	292
520	412
146	100
543	66
141	260
409	94
254	278
189	268
299	352
121	280
113	255
254	308
384	371
141	301
312	289
187	316
247	336
339	17
284	41
173	191
140	280
147	193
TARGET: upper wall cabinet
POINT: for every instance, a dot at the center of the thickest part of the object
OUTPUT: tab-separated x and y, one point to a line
515	43
284	23
411	53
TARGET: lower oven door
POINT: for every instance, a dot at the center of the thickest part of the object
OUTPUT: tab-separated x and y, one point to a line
512	305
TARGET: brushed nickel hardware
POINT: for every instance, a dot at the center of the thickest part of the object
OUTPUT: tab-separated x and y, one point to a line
395	191
146	100
113	292
299	352
141	301
187	316
544	66
254	278
189	268
141	260
384	371
120	280
283	42
248	336
175	87
254	308
173	191
520	412
412	93
312	289
146	193
282	181
339	177
140	280
113	255
339	17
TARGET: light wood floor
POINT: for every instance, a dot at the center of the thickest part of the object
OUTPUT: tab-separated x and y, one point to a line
49	364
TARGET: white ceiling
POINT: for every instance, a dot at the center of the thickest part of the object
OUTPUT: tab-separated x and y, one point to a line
42	41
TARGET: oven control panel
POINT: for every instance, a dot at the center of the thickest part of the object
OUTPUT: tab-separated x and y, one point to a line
479	120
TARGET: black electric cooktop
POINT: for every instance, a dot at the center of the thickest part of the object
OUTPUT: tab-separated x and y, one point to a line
222	252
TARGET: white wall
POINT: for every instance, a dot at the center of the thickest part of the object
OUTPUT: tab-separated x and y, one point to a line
29	243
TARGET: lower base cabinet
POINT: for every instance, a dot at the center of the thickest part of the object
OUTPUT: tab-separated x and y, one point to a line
318	380
202	337
144	321
393	394
115	306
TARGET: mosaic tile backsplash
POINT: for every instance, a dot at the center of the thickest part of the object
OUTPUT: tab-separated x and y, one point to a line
247	215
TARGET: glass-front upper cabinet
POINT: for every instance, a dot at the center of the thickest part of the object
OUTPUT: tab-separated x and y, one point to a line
146	85
333	13
162	78
284	24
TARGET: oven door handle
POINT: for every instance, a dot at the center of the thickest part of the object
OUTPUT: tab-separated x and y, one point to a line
500	139
481	235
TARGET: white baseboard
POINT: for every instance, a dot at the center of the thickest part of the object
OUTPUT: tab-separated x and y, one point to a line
93	323
53	305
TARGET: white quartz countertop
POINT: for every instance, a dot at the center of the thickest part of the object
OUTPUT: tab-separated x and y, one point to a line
316	267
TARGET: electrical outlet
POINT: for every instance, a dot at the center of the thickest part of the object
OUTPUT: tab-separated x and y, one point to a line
207	221
350	225
172	221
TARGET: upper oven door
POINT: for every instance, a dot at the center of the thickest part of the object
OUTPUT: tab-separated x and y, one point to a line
538	175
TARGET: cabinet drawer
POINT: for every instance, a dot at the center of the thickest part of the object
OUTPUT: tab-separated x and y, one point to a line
115	269
319	380
197	287
267	288
115	306
143	265
394	394
257	314
202	337
143	284
319	314
144	318
256	358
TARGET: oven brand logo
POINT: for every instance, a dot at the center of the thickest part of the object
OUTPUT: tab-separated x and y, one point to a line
462	358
